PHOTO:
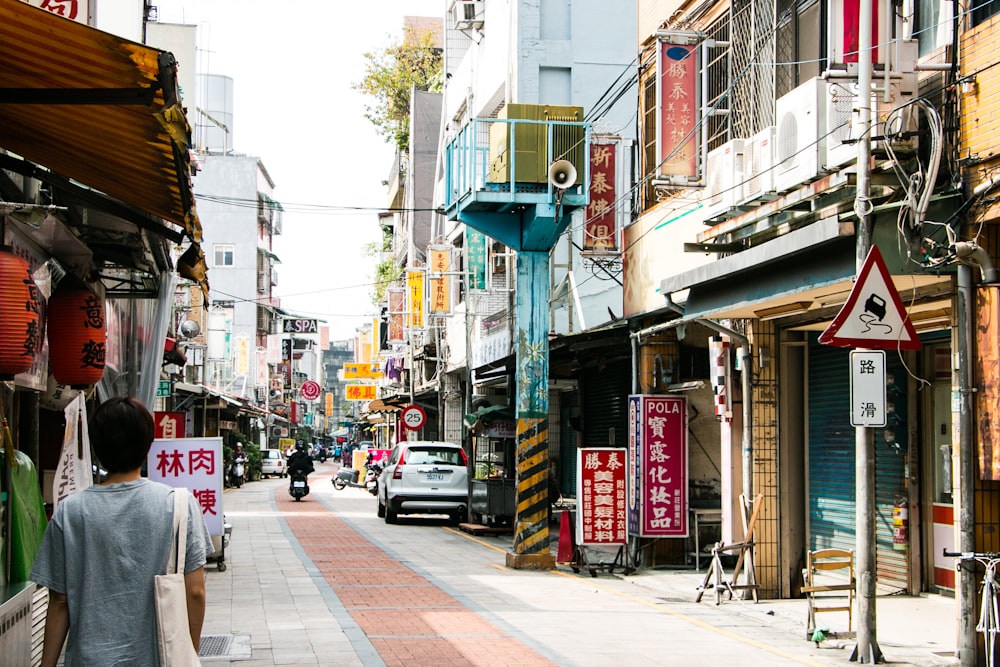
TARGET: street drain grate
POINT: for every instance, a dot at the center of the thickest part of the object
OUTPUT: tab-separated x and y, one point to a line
214	645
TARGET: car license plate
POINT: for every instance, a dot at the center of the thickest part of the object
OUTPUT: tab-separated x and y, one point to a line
434	476
299	485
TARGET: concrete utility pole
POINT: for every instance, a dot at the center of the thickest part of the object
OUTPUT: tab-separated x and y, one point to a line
867	649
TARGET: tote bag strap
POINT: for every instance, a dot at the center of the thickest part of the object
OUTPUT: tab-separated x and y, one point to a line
177	557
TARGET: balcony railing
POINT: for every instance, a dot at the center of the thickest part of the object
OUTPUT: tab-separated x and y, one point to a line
496	164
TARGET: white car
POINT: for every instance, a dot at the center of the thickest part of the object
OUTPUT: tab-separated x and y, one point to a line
424	477
273	462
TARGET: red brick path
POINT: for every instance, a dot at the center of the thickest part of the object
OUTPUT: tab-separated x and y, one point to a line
409	621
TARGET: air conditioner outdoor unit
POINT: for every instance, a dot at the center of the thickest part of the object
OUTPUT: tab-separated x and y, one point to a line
468	14
840	129
722	179
894	120
758	166
799	151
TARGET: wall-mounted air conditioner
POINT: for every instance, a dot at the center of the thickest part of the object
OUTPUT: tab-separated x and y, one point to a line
799	117
723	169
895	124
840	130
758	166
468	14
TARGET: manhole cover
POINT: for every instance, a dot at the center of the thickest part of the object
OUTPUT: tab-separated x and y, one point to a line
214	645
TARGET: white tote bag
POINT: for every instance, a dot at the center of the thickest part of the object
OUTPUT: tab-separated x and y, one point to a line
173	632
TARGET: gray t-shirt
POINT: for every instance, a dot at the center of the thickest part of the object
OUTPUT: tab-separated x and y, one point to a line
101	550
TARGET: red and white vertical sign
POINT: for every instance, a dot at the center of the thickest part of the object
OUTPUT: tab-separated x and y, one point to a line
600	492
194	464
658	466
600	231
677	137
722	384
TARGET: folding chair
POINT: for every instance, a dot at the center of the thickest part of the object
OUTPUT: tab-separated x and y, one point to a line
831	593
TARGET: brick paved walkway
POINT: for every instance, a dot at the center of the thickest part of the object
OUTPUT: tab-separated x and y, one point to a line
407	619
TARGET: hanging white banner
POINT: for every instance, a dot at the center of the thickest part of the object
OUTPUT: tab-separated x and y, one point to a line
74	471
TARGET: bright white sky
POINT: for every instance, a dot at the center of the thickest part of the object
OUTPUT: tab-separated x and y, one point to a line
293	63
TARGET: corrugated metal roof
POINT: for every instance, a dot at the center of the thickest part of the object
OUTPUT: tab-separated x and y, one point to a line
135	152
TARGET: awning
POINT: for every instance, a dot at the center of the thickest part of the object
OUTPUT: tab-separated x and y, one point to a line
98	109
380	405
806	274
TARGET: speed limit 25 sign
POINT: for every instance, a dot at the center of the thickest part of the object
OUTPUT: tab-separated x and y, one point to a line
413	417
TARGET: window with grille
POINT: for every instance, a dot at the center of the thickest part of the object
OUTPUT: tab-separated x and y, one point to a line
799	43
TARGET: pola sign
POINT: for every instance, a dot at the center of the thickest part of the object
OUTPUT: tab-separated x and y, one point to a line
299	326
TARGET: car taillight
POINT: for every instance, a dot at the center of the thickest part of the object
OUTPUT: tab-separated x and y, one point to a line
397	472
465	459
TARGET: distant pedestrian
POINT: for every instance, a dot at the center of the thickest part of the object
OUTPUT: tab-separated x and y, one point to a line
105	545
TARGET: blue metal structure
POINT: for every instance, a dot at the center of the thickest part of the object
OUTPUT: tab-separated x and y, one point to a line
528	217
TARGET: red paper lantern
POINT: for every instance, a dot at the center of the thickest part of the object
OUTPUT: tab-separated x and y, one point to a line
77	337
20	315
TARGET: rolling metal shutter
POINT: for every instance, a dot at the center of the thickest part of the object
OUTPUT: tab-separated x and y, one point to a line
832	460
567	443
604	395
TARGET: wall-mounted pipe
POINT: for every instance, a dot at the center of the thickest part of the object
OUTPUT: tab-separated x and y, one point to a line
746	363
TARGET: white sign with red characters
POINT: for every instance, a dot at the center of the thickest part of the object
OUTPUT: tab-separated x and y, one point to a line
310	390
600	489
194	464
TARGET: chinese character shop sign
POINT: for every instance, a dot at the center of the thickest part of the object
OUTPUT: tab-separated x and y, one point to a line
195	464
600	229
169	424
658	466
600	489
677	65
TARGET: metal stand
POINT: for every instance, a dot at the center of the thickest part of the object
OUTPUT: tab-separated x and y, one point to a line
623	560
744	562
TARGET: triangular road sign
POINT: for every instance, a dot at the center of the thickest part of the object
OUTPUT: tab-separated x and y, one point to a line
873	316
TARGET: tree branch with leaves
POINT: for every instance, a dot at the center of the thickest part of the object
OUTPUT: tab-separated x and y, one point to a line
391	74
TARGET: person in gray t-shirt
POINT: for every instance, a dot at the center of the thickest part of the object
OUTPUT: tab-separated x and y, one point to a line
104	546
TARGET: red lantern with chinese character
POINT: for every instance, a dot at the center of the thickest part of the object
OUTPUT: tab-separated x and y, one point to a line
76	334
20	315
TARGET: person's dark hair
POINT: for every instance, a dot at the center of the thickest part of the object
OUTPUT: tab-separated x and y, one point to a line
121	433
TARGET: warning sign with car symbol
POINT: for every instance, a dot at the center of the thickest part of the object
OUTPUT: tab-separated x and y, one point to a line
873	315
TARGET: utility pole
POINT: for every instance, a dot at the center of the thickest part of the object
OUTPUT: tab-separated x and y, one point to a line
867	649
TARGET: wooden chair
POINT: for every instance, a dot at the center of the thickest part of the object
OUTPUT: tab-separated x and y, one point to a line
826	594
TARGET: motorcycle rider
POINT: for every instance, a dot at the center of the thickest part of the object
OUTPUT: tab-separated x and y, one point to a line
300	461
237	470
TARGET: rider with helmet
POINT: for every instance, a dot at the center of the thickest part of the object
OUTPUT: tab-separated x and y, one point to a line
300	461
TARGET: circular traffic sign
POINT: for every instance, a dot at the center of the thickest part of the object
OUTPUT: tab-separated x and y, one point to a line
310	390
413	417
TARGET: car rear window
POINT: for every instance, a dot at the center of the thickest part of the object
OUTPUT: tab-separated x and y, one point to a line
425	455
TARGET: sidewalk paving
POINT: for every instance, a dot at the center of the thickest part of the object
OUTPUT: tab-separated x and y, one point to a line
324	582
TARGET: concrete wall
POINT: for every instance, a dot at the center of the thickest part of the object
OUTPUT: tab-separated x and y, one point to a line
233	221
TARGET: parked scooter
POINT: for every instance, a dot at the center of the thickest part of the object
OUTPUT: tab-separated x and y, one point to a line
237	470
346	477
298	488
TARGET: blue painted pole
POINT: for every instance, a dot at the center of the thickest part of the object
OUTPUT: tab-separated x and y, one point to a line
531	526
